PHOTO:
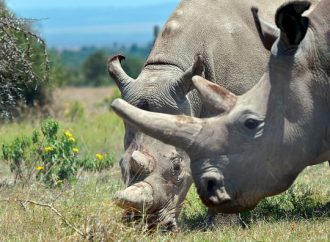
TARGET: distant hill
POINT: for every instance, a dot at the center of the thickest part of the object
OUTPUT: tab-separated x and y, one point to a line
74	59
98	26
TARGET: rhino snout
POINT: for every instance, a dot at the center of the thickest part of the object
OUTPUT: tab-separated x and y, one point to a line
212	190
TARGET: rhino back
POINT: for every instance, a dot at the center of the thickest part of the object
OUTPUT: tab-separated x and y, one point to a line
223	31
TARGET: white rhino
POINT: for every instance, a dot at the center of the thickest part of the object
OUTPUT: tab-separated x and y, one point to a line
259	141
223	36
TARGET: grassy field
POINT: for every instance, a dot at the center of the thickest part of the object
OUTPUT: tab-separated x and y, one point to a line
35	213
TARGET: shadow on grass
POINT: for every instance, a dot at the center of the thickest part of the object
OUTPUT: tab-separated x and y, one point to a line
194	222
300	202
273	213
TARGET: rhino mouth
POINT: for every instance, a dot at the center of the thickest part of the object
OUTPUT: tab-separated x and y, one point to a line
221	205
218	199
230	207
227	206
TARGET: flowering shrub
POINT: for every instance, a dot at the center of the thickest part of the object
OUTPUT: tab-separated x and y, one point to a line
51	157
99	163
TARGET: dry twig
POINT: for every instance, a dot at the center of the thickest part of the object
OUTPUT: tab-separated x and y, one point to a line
52	208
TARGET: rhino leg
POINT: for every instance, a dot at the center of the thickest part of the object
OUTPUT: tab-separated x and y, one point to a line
156	221
131	216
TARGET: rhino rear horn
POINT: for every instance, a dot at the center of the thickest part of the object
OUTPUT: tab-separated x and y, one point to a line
184	84
215	97
138	196
142	163
268	33
117	73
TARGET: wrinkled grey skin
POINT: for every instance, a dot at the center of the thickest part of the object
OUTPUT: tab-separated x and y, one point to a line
263	139
223	34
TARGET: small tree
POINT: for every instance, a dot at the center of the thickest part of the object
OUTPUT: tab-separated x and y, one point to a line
94	68
23	63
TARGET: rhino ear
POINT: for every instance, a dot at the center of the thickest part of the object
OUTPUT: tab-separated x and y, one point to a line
184	84
292	24
215	97
268	33
117	73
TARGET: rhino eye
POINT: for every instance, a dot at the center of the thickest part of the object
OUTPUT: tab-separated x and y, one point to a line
176	165
252	123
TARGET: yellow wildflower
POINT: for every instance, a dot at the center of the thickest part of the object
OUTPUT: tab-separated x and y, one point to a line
99	156
75	150
71	139
40	168
49	149
68	134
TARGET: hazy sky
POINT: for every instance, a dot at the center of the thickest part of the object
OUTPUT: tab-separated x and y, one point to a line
76	23
32	4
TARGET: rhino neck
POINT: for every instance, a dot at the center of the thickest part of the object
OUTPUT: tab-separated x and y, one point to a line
297	122
156	90
198	26
156	71
320	33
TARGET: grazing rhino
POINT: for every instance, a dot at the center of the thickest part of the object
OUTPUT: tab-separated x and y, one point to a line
260	141
223	34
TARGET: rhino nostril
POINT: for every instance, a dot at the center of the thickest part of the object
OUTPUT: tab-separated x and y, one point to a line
211	182
214	191
210	185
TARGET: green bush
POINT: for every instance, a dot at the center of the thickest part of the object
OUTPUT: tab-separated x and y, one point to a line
95	70
19	157
50	156
24	66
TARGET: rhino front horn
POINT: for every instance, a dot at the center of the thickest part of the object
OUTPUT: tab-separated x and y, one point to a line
180	131
138	196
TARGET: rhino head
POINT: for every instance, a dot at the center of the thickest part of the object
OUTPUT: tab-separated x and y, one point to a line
157	175
259	142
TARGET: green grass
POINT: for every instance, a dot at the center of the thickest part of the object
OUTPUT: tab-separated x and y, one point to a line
100	133
297	215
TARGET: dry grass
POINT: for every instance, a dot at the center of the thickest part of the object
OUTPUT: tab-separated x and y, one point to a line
298	215
90	98
88	206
